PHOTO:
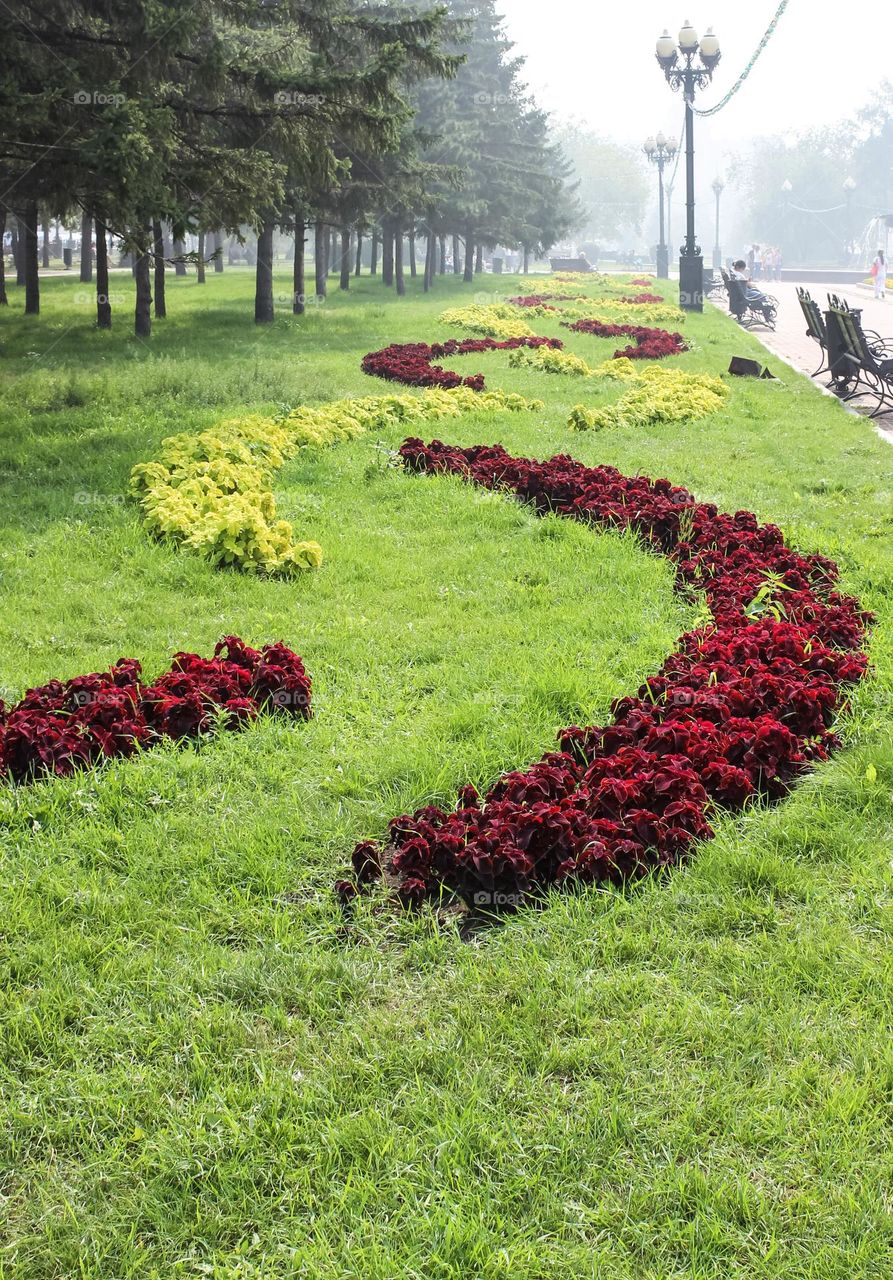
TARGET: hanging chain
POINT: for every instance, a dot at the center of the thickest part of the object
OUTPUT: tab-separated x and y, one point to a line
770	31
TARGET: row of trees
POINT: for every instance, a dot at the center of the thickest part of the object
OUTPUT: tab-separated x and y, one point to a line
816	195
153	121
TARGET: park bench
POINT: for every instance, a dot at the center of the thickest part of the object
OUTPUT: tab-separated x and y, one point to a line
864	355
815	327
749	313
570	264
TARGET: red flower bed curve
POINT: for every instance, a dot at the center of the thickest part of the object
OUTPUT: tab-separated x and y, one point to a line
650	344
640	299
412	362
542	299
736	715
76	724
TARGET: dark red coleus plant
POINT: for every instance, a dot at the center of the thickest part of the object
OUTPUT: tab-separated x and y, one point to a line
649	344
66	725
412	363
736	715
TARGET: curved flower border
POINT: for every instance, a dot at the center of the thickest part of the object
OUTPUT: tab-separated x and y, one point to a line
75	724
735	716
412	363
648	344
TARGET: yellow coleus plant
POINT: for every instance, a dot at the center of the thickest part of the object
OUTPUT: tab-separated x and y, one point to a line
210	492
493	320
610	311
549	360
656	395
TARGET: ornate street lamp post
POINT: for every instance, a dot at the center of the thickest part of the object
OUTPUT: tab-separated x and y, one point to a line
670	186
683	72
661	151
718	188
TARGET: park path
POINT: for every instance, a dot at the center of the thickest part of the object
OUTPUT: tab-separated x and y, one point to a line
791	343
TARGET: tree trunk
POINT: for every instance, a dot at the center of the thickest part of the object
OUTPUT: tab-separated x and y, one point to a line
469	255
387	254
297	300
429	260
30	255
20	249
373	262
442	265
218	250
320	245
86	247
200	265
263	275
412	266
331	252
457	258
142	316
526	259
359	267
179	267
345	258
479	260
103	306
158	247
3	298
45	256
399	279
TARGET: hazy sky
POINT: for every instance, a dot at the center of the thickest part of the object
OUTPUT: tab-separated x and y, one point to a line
594	61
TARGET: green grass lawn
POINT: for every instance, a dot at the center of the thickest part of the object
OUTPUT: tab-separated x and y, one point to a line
203	1072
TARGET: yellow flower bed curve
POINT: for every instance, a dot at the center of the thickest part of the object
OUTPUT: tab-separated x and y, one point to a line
656	395
493	320
210	492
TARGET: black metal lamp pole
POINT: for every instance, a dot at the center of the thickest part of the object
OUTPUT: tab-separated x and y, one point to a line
661	151
718	188
683	72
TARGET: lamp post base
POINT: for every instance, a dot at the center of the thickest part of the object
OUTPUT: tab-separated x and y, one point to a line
663	263
691	282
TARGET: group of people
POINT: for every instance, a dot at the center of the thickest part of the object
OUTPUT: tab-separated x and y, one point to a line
763	263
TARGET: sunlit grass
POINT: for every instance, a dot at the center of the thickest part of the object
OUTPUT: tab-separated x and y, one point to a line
202	1073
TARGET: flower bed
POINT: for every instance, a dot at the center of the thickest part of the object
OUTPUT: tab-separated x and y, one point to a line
736	715
210	492
649	344
412	362
548	360
536	300
76	724
641	299
495	320
655	395
613	311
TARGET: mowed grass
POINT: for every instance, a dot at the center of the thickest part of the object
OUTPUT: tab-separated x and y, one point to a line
203	1072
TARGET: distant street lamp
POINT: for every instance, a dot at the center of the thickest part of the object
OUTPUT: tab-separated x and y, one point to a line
718	188
683	72
670	186
849	186
661	151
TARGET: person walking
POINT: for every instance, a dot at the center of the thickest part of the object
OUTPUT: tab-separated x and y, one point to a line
879	271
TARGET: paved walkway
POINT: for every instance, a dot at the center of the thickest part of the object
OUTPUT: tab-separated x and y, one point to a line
791	343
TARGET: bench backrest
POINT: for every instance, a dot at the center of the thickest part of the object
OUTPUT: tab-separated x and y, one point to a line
815	324
857	339
738	303
842	330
